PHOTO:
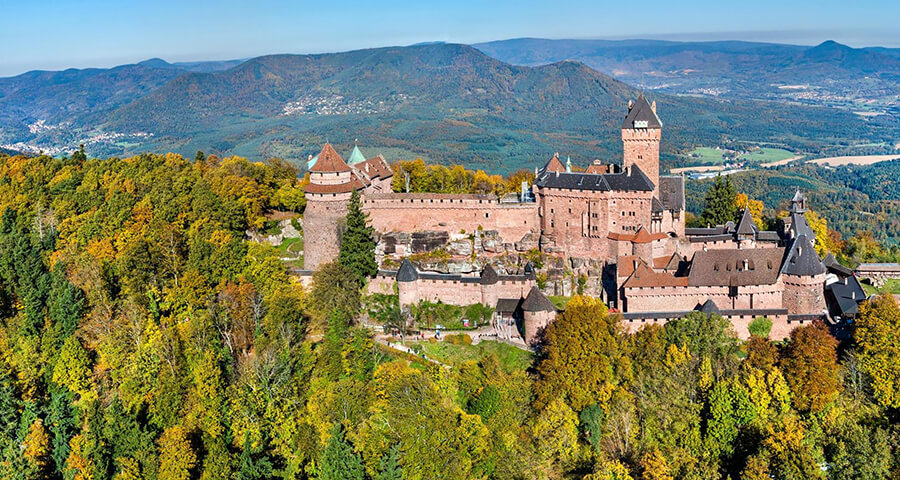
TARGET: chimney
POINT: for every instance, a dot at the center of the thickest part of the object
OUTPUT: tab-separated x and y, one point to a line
309	159
653	106
630	105
557	173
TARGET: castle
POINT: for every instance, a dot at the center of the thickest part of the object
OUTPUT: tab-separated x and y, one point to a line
627	218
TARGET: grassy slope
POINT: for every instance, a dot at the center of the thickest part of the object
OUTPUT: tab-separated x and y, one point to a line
511	358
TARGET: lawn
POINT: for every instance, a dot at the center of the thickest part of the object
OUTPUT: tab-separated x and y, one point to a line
891	286
706	156
559	301
711	156
511	358
767	155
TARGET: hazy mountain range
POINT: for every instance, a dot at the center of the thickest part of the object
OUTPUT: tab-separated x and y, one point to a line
829	74
445	102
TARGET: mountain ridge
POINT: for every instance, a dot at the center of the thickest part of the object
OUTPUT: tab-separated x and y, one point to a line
445	102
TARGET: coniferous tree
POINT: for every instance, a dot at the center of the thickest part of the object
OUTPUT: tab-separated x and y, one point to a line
357	245
389	466
338	461
250	468
720	203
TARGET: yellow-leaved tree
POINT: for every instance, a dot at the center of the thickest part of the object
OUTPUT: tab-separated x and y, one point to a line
878	336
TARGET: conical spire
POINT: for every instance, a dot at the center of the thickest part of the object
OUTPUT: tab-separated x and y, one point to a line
355	156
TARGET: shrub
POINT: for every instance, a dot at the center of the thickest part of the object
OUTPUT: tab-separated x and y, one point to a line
458	339
760	326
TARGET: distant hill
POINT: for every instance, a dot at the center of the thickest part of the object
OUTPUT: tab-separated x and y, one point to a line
828	74
444	102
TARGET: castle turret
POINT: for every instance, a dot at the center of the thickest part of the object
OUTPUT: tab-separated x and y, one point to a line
331	182
641	133
538	311
803	274
407	283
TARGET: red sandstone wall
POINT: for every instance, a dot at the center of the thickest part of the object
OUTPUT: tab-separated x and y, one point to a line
668	299
804	295
322	222
452	214
535	322
641	147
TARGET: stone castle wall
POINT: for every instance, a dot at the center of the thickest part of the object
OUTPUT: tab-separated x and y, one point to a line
803	295
322	225
397	212
456	292
676	299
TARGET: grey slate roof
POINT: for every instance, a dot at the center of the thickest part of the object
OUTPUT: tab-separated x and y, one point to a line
641	111
802	259
726	267
536	301
635	181
709	307
407	272
767	236
746	226
834	266
799	226
489	275
671	192
843	297
508	305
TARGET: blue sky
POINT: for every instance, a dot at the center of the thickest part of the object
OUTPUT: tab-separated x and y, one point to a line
43	34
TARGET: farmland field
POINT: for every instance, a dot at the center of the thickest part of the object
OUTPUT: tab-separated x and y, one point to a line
712	156
853	160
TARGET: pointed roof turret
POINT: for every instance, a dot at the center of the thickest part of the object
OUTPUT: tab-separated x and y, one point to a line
355	156
489	275
641	115
798	203
746	225
569	164
642	236
554	164
329	161
529	270
802	259
536	301
407	272
709	307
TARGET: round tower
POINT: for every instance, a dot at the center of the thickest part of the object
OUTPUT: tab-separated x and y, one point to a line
330	184
804	279
537	311
407	283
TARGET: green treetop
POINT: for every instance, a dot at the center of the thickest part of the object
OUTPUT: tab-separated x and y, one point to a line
720	204
357	245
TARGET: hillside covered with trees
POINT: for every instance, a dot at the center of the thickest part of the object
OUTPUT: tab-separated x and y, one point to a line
142	337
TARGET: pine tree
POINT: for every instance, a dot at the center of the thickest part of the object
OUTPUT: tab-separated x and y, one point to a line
338	461
720	203
250	468
389	466
357	244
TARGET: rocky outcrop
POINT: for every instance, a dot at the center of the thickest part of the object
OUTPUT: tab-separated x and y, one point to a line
287	231
426	241
528	242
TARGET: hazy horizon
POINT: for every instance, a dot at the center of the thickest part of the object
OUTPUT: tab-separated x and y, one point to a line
103	33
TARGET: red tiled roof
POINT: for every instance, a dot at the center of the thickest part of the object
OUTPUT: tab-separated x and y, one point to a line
330	161
644	276
554	165
641	236
625	265
598	168
354	184
375	167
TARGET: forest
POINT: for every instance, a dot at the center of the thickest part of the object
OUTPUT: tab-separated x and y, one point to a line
142	337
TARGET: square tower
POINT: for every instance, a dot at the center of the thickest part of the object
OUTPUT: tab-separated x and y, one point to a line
641	133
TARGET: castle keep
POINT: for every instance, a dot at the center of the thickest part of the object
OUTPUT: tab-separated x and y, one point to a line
628	219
